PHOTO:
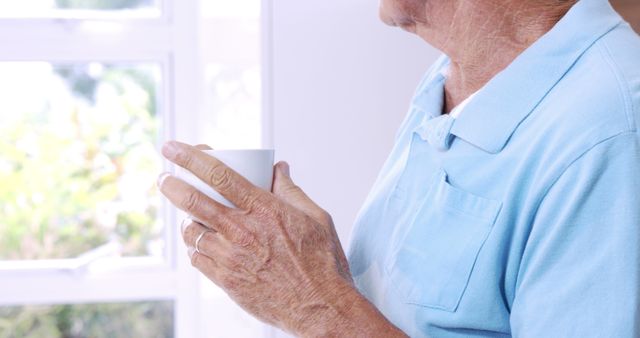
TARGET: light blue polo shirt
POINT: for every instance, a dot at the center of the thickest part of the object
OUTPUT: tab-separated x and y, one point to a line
521	217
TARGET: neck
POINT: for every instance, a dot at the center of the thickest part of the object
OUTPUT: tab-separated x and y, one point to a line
484	38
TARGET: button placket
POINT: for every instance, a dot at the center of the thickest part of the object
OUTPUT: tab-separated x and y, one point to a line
437	132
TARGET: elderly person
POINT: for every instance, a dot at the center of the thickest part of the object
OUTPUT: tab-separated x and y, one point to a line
509	206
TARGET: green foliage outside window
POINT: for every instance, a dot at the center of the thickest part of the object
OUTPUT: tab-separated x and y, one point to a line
76	175
77	172
73	180
140	320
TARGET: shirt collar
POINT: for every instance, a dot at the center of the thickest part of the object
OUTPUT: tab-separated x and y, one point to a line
504	102
460	107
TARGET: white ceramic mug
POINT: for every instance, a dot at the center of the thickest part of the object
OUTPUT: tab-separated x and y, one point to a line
256	165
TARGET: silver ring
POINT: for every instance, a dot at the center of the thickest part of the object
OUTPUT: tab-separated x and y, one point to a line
200	238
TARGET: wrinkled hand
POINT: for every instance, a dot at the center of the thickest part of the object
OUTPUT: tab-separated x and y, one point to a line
277	255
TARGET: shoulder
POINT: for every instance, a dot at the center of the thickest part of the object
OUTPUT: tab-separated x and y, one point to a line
620	51
591	115
609	78
599	97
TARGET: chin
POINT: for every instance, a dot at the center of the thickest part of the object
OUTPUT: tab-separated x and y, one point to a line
386	19
411	28
384	16
406	25
396	13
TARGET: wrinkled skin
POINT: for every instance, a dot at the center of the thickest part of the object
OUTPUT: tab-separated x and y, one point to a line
480	37
277	255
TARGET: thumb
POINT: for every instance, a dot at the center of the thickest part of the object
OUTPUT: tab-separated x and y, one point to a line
288	191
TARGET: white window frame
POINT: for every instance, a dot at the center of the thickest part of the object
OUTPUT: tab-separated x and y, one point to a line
170	41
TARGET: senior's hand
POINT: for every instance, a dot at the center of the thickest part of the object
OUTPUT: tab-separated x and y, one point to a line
277	255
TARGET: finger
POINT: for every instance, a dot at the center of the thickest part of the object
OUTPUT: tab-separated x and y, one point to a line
287	190
235	188
191	231
193	202
202	147
205	264
212	244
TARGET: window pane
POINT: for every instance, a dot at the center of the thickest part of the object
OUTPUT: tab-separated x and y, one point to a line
78	159
9	8
231	49
148	319
234	97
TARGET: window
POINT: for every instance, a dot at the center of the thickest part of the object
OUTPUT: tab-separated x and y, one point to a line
140	319
77	157
89	90
233	72
74	8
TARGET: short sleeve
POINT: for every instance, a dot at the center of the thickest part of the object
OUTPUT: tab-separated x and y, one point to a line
580	271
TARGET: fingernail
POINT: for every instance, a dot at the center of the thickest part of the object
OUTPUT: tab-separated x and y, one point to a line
184	223
285	168
191	251
161	179
170	150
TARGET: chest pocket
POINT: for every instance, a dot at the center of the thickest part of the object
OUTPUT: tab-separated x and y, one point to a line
433	255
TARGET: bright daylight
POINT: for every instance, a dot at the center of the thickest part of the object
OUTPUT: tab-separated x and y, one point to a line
82	121
286	168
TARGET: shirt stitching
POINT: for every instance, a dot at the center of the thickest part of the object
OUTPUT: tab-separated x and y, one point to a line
571	64
622	82
553	183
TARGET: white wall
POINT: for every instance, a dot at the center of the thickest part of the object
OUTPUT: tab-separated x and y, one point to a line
341	85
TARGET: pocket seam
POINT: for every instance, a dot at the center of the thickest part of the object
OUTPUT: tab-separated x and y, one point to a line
488	221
